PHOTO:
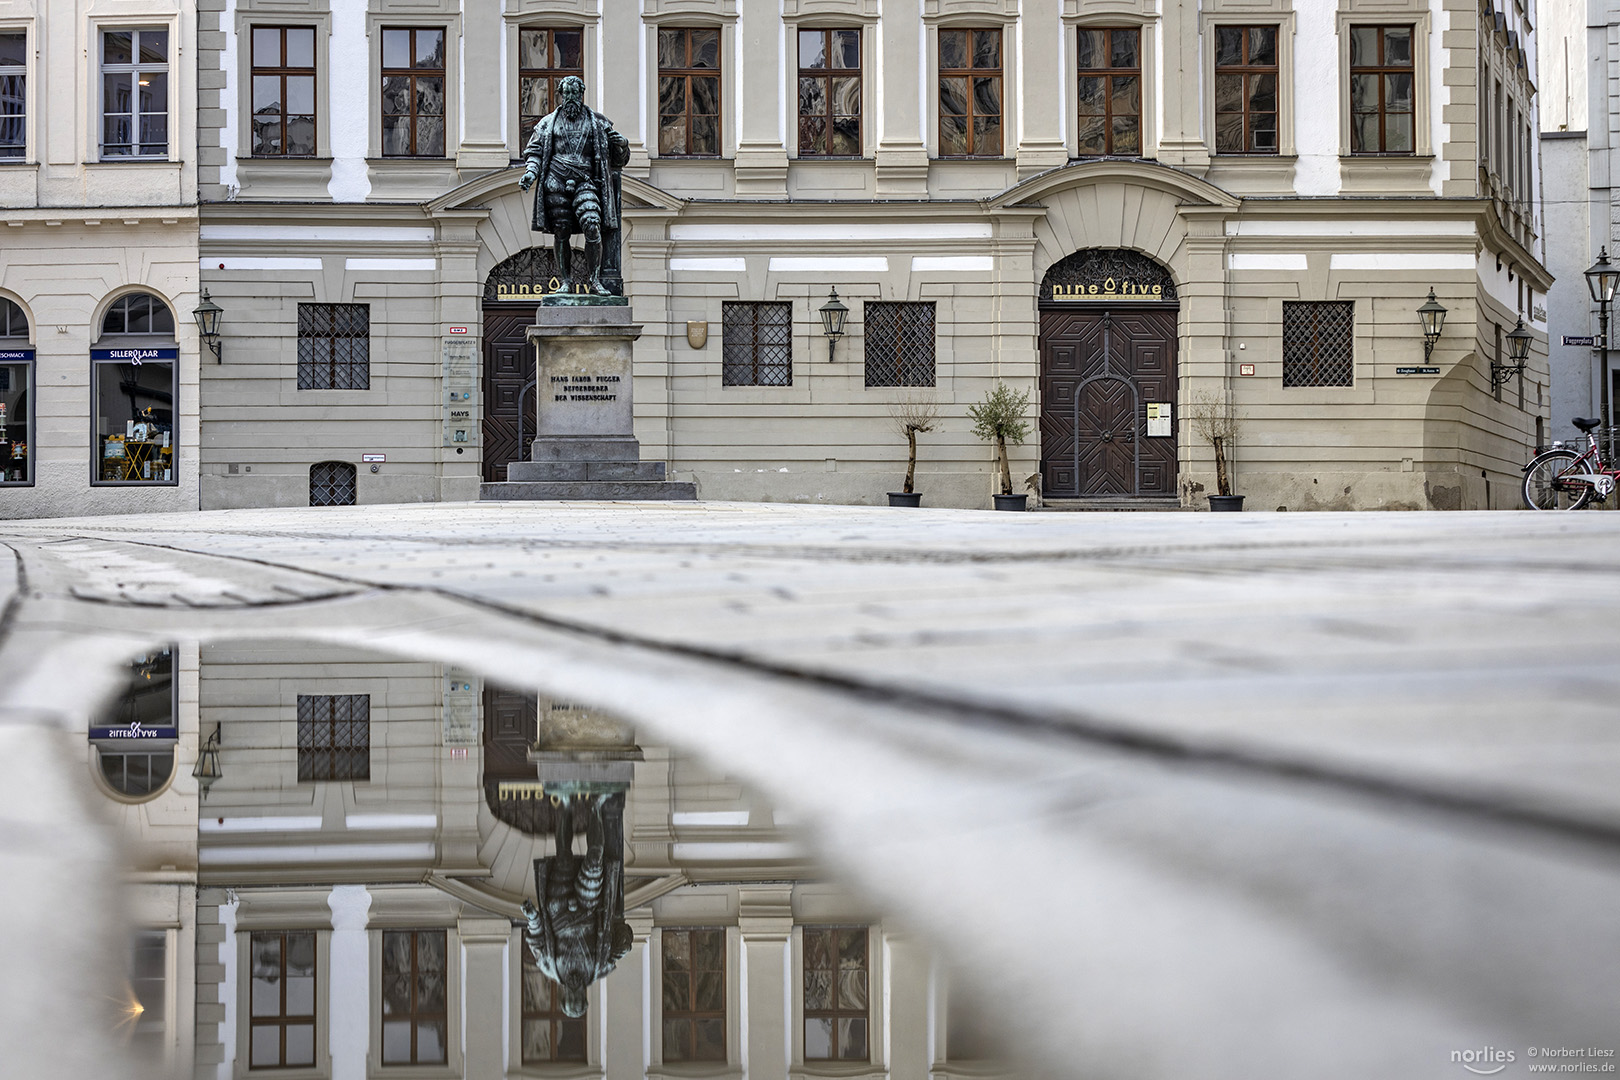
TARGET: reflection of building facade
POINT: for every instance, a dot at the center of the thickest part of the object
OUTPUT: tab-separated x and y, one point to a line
995	189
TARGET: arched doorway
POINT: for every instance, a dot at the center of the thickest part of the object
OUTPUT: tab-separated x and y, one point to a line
1108	377
511	293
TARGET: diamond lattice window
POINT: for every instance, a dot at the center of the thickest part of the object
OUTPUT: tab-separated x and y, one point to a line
758	347
899	344
331	483
1318	343
334	347
334	736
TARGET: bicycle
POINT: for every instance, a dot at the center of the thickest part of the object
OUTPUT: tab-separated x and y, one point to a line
1561	479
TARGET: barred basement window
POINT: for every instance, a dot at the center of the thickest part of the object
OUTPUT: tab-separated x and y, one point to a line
331	483
334	736
1318	342
758	345
334	347
899	343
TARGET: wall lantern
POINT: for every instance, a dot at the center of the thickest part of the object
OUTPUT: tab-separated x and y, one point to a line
833	314
207	768
1433	317
207	315
1518	351
1603	279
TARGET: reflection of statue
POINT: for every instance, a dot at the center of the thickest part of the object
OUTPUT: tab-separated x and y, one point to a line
576	156
577	931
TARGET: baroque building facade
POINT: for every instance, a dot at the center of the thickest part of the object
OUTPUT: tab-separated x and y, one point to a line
1124	208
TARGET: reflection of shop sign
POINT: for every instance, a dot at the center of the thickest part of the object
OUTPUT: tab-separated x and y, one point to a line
134	730
1110	289
134	356
520	789
16	354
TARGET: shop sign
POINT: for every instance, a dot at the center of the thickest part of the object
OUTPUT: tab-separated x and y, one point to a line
1115	275
1417	371
134	356
460	383
134	731
525	291
16	354
1109	289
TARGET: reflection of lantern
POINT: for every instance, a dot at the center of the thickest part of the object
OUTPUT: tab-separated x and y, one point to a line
207	768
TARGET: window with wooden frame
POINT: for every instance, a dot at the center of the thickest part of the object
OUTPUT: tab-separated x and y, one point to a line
414	1014
283	91
334	736
829	93
545	58
1383	102
548	1034
135	93
1318	342
1246	88
757	343
1110	91
334	346
836	993
970	93
413	92
694	995
689	91
281	1021
13	94
899	343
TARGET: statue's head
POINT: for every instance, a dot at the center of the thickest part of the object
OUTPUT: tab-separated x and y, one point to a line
571	94
573	1001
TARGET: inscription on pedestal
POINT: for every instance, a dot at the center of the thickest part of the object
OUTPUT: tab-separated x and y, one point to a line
585	388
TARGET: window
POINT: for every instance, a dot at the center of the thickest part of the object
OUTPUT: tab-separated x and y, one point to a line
545	58
334	346
413	92
331	483
283	91
1318	342
413	997
1382	88
830	93
548	1033
899	344
694	997
148	985
13	95
689	92
281	1031
134	390
135	736
1246	90
16	393
1110	92
970	93
135	93
835	994
139	313
334	736
758	343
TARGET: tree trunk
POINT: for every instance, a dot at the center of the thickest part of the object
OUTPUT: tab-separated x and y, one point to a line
1222	484
911	461
1006	468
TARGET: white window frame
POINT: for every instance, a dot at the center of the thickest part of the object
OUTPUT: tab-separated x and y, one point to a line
168	68
26	29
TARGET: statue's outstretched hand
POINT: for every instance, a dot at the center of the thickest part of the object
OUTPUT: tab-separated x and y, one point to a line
529	176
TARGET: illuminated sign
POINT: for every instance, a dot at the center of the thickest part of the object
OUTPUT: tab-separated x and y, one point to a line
1109	289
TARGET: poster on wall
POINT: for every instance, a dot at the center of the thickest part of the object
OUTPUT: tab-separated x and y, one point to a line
460	384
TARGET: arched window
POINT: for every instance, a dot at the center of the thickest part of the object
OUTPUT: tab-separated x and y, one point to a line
134	738
16	405
139	313
331	483
135	388
13	323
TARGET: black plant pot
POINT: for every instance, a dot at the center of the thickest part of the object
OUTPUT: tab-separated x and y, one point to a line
1010	502
1226	504
905	498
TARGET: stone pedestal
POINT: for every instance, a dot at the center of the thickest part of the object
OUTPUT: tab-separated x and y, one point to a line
585	445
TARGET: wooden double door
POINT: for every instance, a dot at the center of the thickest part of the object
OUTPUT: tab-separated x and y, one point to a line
509	405
1102	369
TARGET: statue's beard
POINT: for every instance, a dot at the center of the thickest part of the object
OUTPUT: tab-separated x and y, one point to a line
571	110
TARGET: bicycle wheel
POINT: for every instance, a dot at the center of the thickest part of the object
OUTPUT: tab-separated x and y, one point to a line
1543	490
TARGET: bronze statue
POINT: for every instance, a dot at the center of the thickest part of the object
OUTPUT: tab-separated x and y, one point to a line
576	156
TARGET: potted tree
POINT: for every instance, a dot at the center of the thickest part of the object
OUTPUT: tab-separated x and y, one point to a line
1000	418
1214	418
911	415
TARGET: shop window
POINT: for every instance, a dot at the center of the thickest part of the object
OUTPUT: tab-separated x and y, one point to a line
757	349
549	1034
283	91
545	58
135	93
830	93
148	993
16	394
414	1024
134	737
281	1020
334	736
134	415
1110	91
970	93
1382	90
694	995
13	94
413	92
1246	90
334	346
1318	342
689	91
836	989
332	483
899	343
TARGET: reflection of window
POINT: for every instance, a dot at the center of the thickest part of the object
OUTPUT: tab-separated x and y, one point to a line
334	346
282	1020
1246	90
148	984
1110	91
13	95
334	736
757	349
899	343
413	997
689	91
1381	90
283	91
16	386
830	93
132	766
331	483
1318	342
134	93
548	1034
694	996
413	93
969	93
136	773
545	58
835	994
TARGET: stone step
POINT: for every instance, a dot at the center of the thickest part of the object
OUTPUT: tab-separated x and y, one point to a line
588	490
564	471
1159	504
